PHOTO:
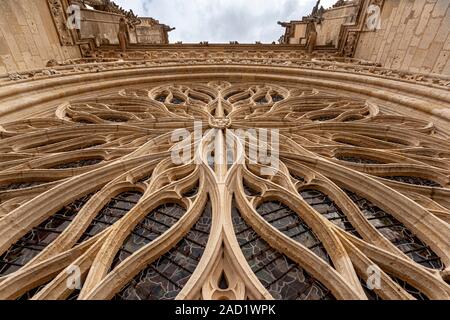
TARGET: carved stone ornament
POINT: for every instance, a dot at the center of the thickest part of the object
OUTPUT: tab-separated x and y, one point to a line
350	44
60	21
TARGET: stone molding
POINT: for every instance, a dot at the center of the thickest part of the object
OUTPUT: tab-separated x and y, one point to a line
111	60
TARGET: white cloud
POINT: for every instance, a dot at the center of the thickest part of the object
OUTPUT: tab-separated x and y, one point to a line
220	21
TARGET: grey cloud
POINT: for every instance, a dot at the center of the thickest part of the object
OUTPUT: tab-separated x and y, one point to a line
146	8
219	21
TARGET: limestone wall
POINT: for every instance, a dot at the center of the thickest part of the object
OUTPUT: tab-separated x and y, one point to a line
104	26
28	37
414	36
99	25
299	33
333	19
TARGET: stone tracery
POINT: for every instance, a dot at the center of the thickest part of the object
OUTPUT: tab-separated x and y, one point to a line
355	187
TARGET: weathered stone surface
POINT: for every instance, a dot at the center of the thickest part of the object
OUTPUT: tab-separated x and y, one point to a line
29	36
421	24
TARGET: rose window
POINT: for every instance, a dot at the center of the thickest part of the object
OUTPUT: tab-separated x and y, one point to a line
223	190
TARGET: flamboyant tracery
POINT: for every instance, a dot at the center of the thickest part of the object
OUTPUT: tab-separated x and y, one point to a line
93	184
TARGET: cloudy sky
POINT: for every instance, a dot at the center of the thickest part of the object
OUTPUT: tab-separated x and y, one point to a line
221	21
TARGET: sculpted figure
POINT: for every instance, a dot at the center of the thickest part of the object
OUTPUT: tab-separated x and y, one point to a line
312	38
122	34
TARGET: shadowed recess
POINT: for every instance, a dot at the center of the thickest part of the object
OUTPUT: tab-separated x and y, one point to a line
414	180
20	185
29	294
359	159
78	164
416	293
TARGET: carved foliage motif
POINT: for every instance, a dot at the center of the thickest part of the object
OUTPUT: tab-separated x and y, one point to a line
350	44
57	10
110	60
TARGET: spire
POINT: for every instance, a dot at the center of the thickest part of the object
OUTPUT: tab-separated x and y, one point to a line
315	9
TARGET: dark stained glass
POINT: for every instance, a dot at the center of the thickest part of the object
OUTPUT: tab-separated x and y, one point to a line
154	224
31	244
410	289
161	98
166	277
298	177
357	159
262	100
115	209
284	279
223	282
78	164
118	119
328	208
414	180
352	118
324	118
249	191
19	185
276	97
403	238
177	100
192	192
29	294
288	222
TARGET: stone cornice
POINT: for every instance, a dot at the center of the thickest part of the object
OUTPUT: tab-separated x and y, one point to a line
289	59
